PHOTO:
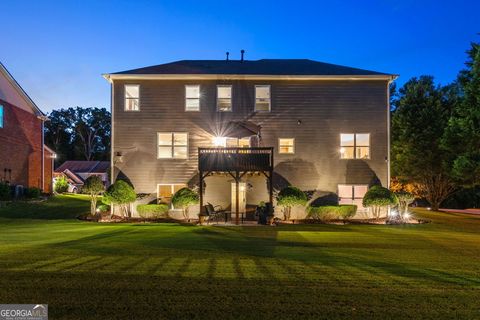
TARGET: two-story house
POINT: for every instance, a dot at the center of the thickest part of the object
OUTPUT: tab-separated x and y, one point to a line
241	130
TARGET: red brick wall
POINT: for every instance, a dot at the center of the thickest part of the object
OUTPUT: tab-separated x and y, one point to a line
48	172
21	146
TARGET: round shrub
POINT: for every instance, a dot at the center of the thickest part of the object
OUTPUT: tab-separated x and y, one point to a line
152	211
103	208
289	197
378	197
120	193
326	213
5	192
61	185
32	193
184	198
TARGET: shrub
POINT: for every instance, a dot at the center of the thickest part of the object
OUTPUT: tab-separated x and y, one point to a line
120	193
5	192
32	193
61	184
183	198
404	200
378	197
93	187
325	213
152	211
103	208
289	197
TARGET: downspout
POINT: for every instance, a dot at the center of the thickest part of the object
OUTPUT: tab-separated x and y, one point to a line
389	129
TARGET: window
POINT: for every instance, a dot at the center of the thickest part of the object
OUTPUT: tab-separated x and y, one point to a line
244	143
352	194
224	98
262	98
1	116
172	145
231	142
192	98
286	145
355	146
166	191
132	97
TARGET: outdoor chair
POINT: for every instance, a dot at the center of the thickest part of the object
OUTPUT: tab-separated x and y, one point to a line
214	212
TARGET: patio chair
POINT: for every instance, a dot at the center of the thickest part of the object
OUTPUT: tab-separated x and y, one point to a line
214	212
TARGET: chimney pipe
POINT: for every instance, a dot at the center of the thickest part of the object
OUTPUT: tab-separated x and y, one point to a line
228	53
242	52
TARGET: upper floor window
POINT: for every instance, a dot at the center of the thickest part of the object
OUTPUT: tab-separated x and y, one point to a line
224	98
1	116
172	145
132	97
355	146
262	98
286	145
192	98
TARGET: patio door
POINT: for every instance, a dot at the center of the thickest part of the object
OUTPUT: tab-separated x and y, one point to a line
242	198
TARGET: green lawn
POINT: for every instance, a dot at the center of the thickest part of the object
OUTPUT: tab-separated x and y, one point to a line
153	271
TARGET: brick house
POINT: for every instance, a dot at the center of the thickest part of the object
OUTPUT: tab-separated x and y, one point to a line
24	159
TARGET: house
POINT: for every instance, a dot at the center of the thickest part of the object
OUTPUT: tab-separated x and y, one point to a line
240	130
77	172
24	159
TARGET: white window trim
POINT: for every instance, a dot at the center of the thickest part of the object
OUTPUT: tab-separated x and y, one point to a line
231	97
173	146
199	106
125	97
293	146
172	190
353	185
355	146
269	100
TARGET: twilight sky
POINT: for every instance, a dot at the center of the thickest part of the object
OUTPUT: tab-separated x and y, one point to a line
57	50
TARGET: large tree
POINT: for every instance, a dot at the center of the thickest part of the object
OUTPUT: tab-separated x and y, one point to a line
79	133
463	132
422	113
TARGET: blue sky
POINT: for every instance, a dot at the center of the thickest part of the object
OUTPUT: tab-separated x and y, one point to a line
58	50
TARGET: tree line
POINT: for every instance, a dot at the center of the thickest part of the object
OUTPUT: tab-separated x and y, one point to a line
436	134
79	133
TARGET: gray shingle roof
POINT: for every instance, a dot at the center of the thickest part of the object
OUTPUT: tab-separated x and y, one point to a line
84	166
302	67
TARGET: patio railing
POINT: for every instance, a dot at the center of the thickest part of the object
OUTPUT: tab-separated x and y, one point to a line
235	159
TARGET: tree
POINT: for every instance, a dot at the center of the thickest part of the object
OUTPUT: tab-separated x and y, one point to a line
184	198
404	199
422	113
122	194
289	197
93	187
377	198
61	184
463	132
79	133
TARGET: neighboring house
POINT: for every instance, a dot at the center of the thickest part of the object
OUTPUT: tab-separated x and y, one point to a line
77	172
24	159
248	125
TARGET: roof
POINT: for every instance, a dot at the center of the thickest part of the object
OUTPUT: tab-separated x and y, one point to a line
36	110
273	67
84	166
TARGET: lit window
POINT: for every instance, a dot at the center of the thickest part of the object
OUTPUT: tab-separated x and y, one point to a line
262	98
286	145
244	143
224	98
166	191
351	194
192	98
172	145
355	146
1	116
132	97
231	142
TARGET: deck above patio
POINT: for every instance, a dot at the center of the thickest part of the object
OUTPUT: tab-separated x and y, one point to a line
235	159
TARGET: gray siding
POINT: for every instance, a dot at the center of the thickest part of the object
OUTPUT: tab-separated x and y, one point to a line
325	109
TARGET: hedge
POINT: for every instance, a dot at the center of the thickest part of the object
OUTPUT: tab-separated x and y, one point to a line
332	212
152	211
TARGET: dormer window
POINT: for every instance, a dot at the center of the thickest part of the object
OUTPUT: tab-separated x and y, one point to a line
262	98
132	97
224	98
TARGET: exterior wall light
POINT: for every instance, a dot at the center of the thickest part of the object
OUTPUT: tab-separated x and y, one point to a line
219	141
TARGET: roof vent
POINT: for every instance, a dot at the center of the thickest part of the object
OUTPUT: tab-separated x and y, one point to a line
242	52
227	53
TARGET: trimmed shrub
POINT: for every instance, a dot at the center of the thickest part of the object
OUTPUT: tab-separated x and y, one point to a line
183	198
152	211
61	185
326	213
5	192
103	208
289	197
378	197
93	187
32	193
122	194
